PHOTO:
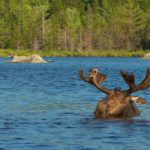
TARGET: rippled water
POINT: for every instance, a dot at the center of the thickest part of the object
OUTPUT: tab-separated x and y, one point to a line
47	107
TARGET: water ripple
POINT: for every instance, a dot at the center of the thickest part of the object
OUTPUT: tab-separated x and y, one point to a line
48	107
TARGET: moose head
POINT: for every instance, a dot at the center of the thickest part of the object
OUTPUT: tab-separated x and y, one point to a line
119	103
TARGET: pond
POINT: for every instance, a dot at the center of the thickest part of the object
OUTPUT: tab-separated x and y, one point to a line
48	107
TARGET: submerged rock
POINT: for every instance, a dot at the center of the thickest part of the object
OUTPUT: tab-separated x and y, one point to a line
35	58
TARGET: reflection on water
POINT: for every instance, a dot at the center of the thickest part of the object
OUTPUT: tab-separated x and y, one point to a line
47	106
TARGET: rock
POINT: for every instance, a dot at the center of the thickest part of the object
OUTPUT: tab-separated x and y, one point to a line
35	58
146	56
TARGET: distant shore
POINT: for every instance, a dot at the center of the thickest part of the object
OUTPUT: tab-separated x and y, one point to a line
64	53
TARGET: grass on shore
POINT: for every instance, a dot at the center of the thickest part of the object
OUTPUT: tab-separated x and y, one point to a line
63	53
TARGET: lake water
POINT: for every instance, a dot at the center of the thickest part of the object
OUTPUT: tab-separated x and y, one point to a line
48	107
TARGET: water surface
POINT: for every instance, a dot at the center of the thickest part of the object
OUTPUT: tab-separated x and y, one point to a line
48	107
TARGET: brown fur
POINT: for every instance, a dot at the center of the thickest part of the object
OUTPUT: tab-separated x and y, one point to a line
118	104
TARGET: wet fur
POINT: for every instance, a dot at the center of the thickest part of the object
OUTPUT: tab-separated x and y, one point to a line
118	104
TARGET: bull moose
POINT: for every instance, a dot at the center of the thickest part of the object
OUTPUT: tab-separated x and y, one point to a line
119	103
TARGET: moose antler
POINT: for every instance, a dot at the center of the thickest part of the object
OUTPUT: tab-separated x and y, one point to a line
95	77
130	80
118	103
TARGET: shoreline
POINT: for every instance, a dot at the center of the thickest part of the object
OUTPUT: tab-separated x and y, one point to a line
67	53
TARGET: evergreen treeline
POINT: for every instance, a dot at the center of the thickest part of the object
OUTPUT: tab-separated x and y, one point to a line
75	24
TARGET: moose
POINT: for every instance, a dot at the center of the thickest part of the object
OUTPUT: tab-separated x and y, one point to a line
118	103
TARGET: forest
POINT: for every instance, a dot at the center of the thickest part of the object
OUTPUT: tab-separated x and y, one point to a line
75	25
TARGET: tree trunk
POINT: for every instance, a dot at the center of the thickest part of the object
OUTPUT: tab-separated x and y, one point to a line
35	44
43	29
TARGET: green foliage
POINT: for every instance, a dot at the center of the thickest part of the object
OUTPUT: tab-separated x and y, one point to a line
75	25
64	53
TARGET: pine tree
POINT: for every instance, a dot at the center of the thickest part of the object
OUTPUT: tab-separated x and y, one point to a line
134	24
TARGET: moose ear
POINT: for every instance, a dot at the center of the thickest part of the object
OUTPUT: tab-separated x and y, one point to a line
138	100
